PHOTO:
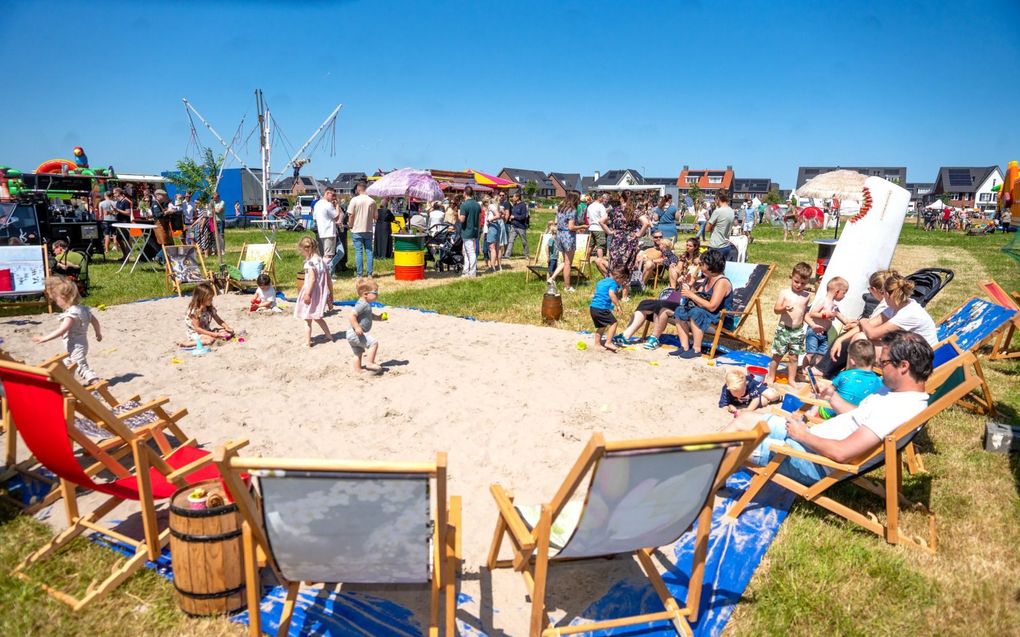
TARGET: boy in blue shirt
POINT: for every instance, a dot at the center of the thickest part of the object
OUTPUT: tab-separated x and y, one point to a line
856	382
603	302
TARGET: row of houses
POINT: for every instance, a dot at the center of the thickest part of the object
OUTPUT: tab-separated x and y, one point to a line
965	187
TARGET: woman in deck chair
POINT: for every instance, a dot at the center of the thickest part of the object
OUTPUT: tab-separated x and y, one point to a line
906	365
702	303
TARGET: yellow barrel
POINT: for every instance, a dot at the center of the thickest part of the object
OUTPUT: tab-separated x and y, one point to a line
409	259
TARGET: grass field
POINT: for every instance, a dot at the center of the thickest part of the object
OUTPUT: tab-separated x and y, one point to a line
821	576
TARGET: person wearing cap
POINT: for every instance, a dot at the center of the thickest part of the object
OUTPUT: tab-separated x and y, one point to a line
160	211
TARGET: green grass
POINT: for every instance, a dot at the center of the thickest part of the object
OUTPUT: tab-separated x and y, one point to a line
821	575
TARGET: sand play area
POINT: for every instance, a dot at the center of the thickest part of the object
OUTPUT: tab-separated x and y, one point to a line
508	403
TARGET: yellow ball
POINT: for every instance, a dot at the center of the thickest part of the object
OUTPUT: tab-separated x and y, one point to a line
581	345
385	316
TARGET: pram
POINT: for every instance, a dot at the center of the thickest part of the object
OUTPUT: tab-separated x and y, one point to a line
444	247
927	283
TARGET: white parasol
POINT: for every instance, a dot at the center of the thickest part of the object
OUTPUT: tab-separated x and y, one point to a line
845	184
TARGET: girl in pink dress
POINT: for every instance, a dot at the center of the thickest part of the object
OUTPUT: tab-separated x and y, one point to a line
312	298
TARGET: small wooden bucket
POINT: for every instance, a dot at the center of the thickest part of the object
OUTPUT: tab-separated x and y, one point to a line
552	307
300	282
206	548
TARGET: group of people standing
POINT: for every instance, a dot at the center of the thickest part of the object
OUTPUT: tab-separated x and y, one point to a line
333	222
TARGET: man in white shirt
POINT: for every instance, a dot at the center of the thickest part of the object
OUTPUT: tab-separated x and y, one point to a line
362	213
596	216
325	214
850	435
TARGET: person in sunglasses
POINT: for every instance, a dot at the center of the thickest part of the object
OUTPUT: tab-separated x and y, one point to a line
906	363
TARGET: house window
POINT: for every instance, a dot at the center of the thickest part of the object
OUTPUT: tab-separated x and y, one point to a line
985	197
715	180
692	180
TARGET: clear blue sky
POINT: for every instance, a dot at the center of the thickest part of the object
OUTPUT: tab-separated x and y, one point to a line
576	87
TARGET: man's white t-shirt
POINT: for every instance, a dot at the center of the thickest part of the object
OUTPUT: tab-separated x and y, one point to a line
362	214
325	215
108	209
596	213
882	412
913	318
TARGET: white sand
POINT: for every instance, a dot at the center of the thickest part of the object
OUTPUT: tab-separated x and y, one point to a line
509	403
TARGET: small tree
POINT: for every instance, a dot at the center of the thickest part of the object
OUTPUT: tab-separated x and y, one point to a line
530	188
945	198
199	178
694	192
772	197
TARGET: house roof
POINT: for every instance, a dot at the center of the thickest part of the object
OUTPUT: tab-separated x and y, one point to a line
522	176
287	183
961	179
347	181
752	184
587	183
658	181
569	181
705	176
613	177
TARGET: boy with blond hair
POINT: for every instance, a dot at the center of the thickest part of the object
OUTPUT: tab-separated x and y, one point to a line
743	392
791	306
361	318
819	320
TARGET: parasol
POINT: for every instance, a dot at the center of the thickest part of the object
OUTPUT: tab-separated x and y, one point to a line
406	182
938	204
488	180
845	184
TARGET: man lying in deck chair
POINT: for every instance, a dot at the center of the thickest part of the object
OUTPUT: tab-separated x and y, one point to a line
906	365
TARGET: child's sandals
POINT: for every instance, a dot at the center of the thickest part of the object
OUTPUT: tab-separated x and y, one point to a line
652	343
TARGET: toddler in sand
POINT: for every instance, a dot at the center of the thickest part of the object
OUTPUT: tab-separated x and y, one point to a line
74	325
791	306
361	322
201	314
603	302
265	296
819	320
853	384
742	392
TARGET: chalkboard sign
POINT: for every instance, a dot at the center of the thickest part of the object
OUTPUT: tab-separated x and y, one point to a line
22	270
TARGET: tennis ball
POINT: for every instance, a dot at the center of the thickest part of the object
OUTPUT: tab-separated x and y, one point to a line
581	345
385	316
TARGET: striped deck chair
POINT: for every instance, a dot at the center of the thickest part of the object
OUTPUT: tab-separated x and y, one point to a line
888	454
642	495
44	402
253	253
184	266
325	521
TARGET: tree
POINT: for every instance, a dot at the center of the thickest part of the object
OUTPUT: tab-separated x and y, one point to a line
694	192
199	178
773	198
945	198
530	188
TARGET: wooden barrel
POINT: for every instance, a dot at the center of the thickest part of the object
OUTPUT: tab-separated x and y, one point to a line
206	548
300	281
552	307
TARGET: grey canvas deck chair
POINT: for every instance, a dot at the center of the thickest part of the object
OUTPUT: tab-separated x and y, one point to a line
951	382
332	522
642	495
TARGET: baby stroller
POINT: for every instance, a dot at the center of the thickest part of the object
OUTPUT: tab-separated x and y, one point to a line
443	246
927	283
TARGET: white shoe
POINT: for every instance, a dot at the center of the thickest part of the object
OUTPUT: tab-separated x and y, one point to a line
570	290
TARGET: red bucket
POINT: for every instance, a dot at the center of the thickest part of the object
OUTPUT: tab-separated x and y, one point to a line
409	272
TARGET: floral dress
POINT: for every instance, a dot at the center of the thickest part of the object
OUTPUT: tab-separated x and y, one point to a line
566	239
319	290
623	244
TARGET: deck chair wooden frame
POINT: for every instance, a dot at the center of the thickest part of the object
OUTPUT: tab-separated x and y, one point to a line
446	534
1002	348
580	266
170	281
44	402
539	266
888	454
531	545
269	261
979	400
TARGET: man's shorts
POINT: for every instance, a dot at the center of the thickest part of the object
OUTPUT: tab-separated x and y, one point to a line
328	245
803	471
598	239
815	343
601	318
359	343
789	340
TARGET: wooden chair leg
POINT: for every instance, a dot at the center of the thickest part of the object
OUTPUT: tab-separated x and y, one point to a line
538	616
453	556
288	609
497	542
252	583
760	479
915	464
698	565
892	483
11	433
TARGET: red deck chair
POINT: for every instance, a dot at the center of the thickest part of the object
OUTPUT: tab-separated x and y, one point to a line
45	416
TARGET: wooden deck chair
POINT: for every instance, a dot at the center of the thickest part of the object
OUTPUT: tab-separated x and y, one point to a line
263	253
326	521
622	514
44	403
539	266
184	266
582	258
976	323
888	454
1003	345
947	356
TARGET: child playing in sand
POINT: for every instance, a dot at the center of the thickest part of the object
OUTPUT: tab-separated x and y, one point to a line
819	320
853	384
743	392
201	315
603	302
74	325
791	306
361	322
312	299
265	296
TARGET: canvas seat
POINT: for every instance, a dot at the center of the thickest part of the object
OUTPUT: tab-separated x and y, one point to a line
888	455
44	402
641	495
263	253
1002	348
323	521
184	266
580	266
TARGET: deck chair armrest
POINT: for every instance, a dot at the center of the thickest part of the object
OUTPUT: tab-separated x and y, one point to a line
141	409
231	446
514	522
813	457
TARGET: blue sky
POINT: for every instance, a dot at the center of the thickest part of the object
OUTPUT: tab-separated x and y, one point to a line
572	87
